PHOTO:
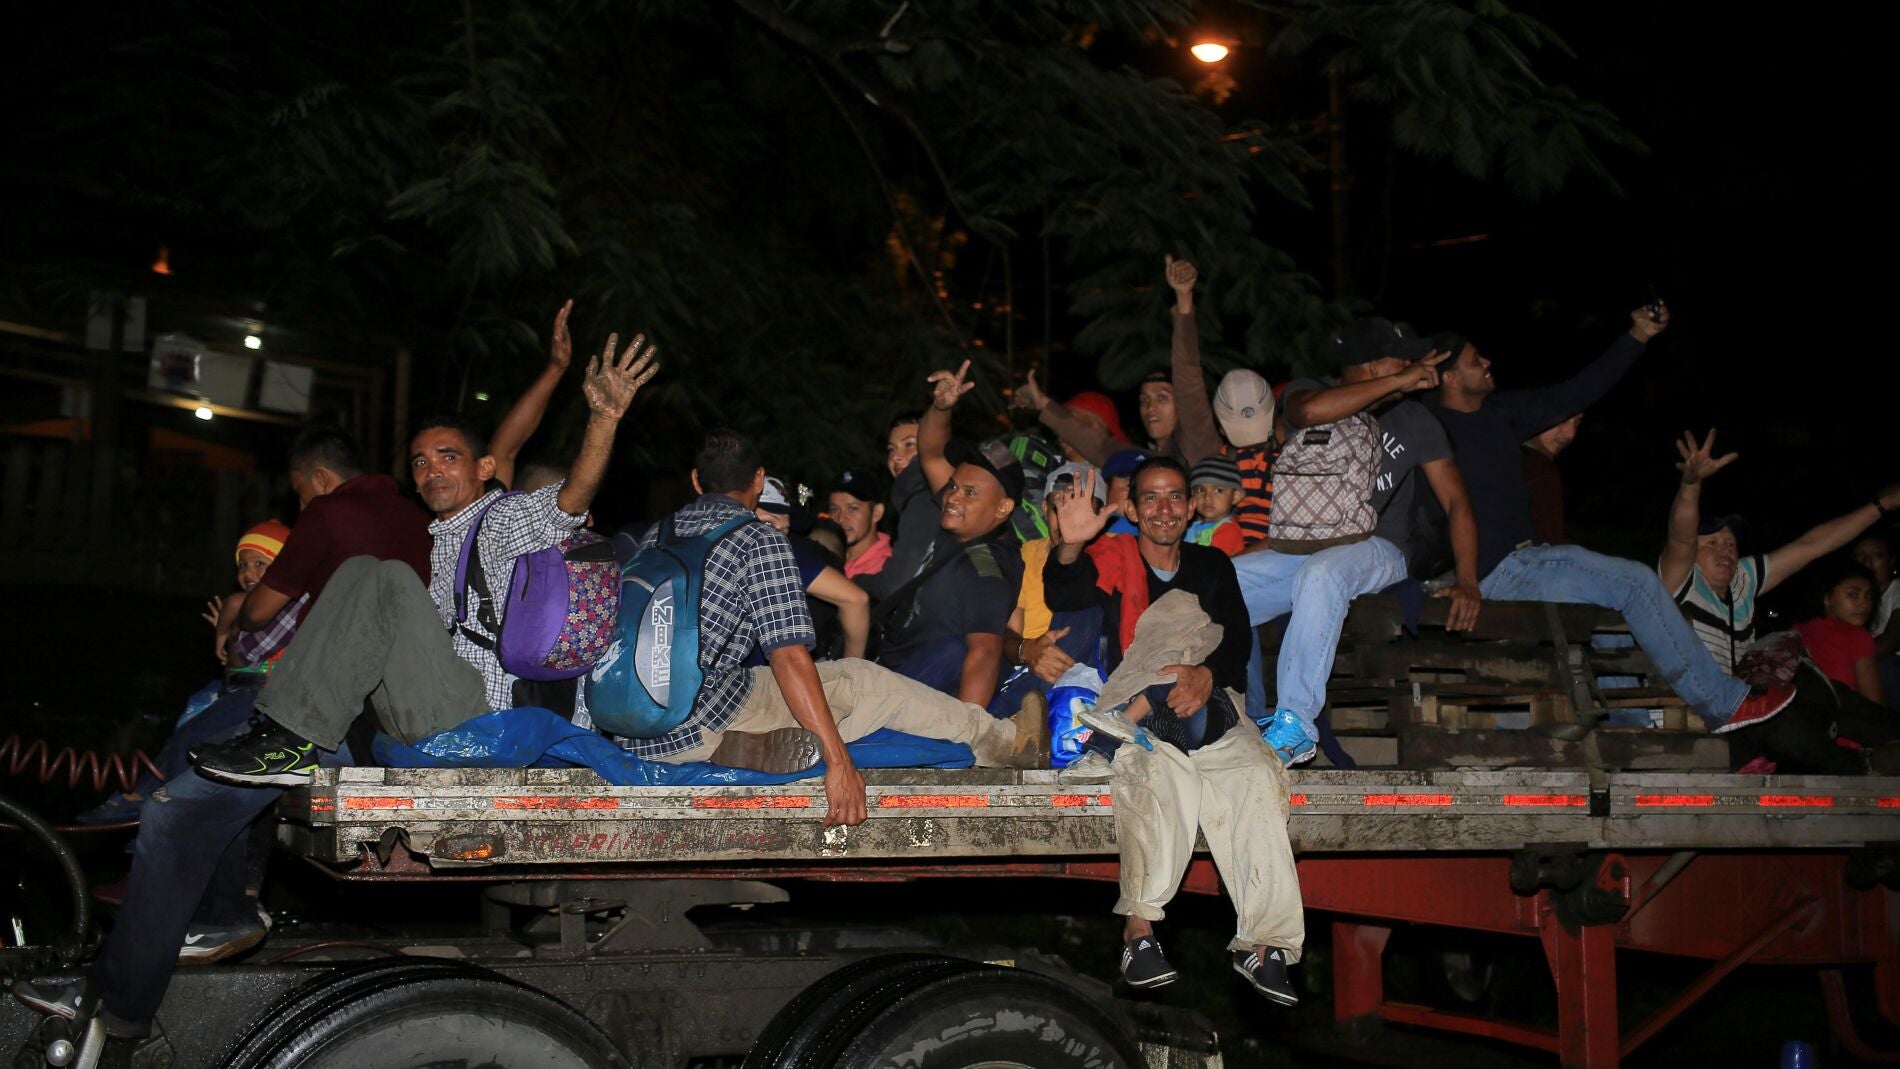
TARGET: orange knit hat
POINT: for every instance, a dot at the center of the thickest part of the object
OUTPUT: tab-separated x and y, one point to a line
267	538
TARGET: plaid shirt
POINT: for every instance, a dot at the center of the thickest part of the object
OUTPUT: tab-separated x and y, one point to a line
750	594
253	650
520	524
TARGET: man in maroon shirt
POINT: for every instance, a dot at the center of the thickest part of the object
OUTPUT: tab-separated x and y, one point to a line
190	854
345	514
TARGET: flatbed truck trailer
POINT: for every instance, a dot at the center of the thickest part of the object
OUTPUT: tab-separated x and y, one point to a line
587	946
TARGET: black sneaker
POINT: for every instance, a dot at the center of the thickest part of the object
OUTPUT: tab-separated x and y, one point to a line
1266	971
1144	965
267	756
207	943
68	1001
53	998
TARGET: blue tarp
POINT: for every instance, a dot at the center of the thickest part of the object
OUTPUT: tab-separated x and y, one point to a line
537	738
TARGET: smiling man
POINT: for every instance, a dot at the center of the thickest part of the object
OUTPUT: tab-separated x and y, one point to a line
1206	767
857	507
378	634
944	626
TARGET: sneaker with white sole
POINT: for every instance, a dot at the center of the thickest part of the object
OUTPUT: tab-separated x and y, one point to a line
1755	709
1144	965
1265	970
1092	767
207	943
1286	733
1112	723
54	998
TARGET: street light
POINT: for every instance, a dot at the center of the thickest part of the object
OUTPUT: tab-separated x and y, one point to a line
1209	51
203	411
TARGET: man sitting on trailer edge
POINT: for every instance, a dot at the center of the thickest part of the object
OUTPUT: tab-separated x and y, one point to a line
1206	765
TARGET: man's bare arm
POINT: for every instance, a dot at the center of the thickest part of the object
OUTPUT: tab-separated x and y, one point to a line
610	387
982	667
1448	483
933	431
521	421
1311	408
797	679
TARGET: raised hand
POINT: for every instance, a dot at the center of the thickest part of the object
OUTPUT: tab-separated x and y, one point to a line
1182	276
213	609
1078	520
1029	395
1646	323
1698	459
949	387
612	382
1421	374
561	348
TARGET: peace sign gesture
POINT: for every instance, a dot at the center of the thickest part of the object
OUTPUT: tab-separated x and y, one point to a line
1699	460
1422	374
949	387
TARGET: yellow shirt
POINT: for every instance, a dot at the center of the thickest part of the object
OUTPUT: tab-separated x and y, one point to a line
1036	614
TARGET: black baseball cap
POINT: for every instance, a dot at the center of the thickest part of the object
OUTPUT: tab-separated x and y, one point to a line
997	460
861	483
1370	338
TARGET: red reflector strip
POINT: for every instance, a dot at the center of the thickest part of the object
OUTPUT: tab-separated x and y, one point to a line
1062	801
1408	799
934	801
1576	800
1675	799
1797	801
783	801
379	803
554	801
1890	803
1296	799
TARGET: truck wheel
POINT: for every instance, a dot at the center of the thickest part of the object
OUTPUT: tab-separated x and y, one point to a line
807	1019
950	1014
401	1017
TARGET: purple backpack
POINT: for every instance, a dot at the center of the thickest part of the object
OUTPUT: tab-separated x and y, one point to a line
561	606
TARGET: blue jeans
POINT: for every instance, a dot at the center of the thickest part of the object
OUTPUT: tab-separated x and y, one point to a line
190	848
1573	575
1317	589
939	665
222	719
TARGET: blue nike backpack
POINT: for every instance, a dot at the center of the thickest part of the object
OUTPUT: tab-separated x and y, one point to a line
646	684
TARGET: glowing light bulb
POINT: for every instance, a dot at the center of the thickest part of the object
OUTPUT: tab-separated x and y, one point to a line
202	412
1209	51
252	341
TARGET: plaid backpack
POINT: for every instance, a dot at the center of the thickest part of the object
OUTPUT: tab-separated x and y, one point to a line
1322	486
560	609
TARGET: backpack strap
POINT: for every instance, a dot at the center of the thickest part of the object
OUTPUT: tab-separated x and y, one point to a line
903	594
469	572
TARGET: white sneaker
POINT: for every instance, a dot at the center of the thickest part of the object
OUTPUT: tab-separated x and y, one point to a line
1092	767
1112	723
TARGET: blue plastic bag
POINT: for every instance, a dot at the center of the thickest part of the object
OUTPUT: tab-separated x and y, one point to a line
537	738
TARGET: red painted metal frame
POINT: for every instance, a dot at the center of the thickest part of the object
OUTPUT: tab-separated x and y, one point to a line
1791	908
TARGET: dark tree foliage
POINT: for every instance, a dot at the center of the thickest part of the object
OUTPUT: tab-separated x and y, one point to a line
809	203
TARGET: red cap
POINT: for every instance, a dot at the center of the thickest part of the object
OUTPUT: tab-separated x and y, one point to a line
1099	404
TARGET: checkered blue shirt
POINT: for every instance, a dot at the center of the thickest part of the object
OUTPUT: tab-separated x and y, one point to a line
750	594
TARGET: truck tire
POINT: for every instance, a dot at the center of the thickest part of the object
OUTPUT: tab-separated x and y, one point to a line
413	1013
948	1014
807	1020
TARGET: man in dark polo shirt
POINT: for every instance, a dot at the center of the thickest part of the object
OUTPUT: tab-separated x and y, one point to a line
945	620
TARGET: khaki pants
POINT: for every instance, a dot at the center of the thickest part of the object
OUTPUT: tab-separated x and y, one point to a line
373	634
1234	791
863	698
